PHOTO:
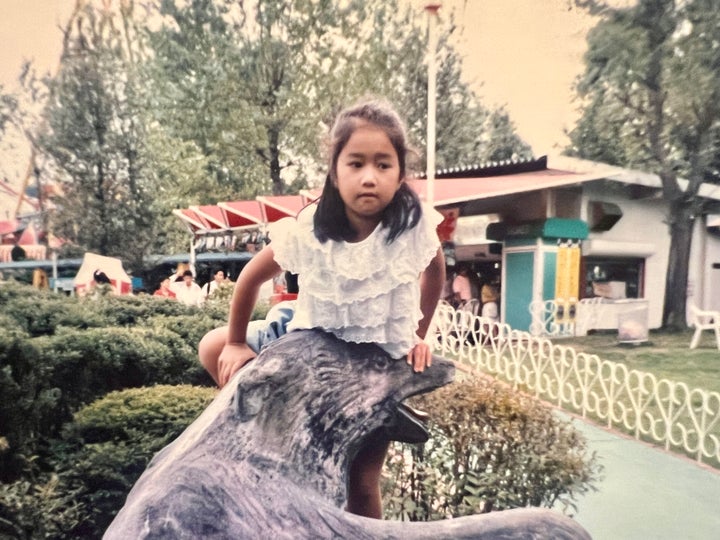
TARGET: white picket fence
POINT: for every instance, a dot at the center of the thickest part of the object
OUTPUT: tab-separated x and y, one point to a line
660	411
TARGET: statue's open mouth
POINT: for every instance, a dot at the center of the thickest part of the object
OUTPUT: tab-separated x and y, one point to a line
407	424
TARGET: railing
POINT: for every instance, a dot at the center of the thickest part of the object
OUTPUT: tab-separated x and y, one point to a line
545	319
660	411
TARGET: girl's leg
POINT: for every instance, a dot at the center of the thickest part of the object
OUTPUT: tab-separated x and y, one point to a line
364	497
259	333
209	349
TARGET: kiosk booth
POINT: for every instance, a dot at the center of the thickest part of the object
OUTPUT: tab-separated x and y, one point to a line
540	261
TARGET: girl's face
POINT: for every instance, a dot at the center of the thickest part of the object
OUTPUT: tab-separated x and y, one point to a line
367	175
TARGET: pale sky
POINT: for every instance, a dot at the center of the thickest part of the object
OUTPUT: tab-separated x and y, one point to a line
524	54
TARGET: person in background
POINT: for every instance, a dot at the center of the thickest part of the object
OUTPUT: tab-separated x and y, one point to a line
164	289
40	279
189	292
462	289
176	280
489	298
211	286
101	278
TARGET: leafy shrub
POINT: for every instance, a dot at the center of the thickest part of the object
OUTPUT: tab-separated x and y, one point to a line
58	353
38	509
28	403
491	448
101	455
43	312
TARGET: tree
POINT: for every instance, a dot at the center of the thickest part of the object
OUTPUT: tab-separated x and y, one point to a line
391	61
651	90
8	104
195	98
251	84
94	139
242	83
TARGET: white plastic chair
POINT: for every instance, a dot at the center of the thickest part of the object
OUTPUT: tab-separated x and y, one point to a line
703	319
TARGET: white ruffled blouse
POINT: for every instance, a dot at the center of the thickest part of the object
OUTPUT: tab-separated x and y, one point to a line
364	292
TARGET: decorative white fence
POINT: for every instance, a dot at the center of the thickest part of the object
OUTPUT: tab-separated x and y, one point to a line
664	412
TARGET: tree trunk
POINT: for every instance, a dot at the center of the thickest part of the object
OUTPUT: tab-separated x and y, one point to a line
681	232
273	149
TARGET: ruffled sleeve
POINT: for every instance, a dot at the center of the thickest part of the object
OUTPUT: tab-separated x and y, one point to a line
287	237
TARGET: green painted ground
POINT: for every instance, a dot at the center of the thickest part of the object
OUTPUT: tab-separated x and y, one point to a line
647	493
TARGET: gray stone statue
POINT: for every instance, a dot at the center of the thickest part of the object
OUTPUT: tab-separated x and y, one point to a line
269	457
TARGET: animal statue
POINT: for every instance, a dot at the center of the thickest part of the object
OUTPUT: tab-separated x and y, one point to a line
269	457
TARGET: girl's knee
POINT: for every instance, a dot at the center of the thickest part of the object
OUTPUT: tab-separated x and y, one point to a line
210	347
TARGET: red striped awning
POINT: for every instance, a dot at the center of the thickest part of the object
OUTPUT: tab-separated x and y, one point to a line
241	214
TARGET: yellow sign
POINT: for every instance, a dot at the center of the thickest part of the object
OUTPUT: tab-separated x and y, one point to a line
567	280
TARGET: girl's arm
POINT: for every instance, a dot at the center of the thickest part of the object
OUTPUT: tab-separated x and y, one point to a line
431	284
236	352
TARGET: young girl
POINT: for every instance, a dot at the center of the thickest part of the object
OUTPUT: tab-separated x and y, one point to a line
369	263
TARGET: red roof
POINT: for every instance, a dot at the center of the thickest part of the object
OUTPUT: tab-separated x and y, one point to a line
447	191
194	222
29	236
211	215
8	227
457	190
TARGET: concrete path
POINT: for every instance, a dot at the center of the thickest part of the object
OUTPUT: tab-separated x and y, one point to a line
647	493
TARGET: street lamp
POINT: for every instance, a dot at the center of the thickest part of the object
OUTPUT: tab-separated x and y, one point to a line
432	9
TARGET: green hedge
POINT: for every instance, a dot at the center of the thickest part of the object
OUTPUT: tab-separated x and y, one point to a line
491	449
102	453
58	353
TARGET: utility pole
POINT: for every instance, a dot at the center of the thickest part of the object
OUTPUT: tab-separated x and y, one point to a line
432	10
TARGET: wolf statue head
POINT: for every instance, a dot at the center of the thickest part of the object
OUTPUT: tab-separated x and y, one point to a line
269	457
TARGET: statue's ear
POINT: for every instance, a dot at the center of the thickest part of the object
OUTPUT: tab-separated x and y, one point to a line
254	386
250	400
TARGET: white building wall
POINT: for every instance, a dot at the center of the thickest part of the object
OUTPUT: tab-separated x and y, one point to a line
704	280
641	232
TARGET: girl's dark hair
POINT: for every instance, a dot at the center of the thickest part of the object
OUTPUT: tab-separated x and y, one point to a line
403	212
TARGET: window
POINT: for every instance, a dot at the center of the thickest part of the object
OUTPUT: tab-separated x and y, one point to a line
614	269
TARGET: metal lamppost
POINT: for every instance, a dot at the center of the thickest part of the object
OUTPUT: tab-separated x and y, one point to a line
432	9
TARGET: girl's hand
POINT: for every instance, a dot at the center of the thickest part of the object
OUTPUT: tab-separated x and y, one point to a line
420	357
232	358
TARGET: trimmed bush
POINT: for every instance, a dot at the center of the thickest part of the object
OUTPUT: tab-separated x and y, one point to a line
58	353
491	448
28	407
101	455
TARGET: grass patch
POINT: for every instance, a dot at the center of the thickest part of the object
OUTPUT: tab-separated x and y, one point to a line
666	355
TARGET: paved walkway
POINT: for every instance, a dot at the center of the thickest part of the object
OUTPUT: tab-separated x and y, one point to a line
647	493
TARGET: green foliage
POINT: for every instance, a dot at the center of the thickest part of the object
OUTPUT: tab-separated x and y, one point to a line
395	45
110	443
37	509
28	402
59	353
94	138
491	448
249	88
8	104
102	454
